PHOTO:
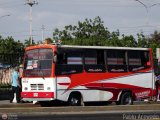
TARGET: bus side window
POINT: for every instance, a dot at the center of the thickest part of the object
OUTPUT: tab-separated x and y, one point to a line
145	59
94	61
138	60
69	61
116	61
61	59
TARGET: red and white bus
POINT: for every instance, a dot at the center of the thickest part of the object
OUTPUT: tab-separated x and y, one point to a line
80	74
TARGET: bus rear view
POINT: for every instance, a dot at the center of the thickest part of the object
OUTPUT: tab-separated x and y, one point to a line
38	80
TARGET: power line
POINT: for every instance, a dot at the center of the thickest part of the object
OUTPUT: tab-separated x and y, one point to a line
5	16
118	27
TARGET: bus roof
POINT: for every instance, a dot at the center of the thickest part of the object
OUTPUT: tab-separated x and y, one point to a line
83	47
103	47
40	46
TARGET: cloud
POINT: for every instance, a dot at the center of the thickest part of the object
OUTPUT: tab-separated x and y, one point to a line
43	15
56	19
59	13
94	2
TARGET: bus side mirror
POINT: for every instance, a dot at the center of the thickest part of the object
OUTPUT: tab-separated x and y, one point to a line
55	58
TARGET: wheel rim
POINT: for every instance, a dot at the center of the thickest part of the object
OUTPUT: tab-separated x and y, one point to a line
74	101
128	100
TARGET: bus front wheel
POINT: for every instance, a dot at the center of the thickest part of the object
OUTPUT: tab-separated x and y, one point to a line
75	100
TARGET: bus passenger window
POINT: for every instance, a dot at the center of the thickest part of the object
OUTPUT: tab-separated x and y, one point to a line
138	60
69	61
94	61
61	58
116	61
90	58
74	58
145	59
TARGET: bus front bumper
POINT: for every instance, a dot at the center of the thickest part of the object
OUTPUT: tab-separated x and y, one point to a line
37	95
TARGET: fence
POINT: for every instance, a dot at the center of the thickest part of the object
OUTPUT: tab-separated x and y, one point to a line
7	63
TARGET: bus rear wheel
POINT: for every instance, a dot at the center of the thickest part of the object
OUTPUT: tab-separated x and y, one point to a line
125	99
75	100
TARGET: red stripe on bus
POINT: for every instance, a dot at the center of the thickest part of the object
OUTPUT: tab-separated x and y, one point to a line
84	78
112	85
63	83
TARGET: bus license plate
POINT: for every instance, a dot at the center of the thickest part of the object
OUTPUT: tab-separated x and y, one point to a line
35	94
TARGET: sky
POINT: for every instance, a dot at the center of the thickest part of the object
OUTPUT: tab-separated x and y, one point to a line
129	16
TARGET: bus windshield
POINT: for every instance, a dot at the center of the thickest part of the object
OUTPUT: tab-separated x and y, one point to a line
38	63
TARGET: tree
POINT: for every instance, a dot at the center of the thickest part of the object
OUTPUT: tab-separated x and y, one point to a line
10	46
10	51
28	42
89	32
142	41
93	32
48	41
114	39
128	41
154	42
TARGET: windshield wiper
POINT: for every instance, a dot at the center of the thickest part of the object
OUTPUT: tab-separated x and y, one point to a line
42	74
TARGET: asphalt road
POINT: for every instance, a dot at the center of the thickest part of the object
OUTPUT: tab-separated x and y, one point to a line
28	111
145	115
76	117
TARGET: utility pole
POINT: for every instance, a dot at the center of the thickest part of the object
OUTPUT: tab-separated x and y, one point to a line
31	3
43	28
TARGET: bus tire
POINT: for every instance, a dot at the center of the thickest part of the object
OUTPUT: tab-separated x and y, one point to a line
76	100
126	99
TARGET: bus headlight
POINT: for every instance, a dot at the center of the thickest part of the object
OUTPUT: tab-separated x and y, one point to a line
48	88
25	88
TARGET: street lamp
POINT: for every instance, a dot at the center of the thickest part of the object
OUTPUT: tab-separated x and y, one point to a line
147	8
31	3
